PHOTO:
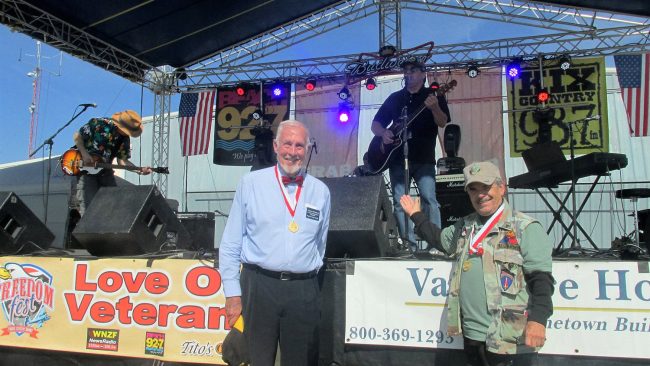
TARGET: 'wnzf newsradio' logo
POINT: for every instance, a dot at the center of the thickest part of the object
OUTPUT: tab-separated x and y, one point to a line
26	294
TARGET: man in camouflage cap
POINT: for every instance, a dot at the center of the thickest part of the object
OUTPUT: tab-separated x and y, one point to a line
501	284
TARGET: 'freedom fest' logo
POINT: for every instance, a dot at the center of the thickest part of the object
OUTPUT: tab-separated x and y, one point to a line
26	294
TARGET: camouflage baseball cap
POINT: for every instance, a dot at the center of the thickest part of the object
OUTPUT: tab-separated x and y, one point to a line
483	172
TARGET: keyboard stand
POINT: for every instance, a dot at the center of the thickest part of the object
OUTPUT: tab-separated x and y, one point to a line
563	208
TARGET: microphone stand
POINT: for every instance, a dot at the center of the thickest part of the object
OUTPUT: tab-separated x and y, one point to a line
575	244
50	142
407	176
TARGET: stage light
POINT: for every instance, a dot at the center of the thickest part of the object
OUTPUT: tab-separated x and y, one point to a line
344	93
257	115
513	69
473	71
565	62
240	90
310	84
371	84
344	112
387	51
543	96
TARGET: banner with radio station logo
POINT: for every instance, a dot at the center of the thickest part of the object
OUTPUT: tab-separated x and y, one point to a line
575	112
168	309
236	129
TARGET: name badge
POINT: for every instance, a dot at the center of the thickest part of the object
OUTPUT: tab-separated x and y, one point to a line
312	213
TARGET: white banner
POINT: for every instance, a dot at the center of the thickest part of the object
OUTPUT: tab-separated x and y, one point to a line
402	303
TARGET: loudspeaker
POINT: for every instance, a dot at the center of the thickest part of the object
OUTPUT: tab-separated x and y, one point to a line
20	230
454	201
129	220
361	218
200	226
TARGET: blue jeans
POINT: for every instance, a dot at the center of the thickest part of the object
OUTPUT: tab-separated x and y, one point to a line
425	178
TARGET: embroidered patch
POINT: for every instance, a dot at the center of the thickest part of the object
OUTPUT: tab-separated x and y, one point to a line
475	169
511	238
507	279
312	214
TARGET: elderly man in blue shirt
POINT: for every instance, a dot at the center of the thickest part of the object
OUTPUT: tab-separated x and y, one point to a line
276	232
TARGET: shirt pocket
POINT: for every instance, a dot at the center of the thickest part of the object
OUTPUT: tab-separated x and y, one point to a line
510	267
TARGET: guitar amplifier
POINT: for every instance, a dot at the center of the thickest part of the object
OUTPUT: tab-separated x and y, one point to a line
200	225
454	201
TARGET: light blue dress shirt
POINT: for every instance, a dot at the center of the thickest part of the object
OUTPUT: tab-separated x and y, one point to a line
257	230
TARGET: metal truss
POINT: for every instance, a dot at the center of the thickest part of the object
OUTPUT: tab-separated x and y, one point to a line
587	43
390	24
292	33
533	14
23	17
161	120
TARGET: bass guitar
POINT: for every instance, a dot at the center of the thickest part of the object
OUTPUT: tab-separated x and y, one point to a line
72	164
379	153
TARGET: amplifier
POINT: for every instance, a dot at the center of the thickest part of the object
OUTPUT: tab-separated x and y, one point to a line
454	201
200	225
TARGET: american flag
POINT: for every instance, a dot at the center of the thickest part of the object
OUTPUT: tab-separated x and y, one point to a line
195	113
634	78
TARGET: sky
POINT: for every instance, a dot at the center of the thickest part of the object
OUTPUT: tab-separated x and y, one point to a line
67	84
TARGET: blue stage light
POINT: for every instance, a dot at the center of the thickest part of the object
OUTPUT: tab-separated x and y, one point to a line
344	112
513	69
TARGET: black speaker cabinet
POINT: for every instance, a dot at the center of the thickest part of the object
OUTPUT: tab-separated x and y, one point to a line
20	230
361	218
200	226
454	201
128	221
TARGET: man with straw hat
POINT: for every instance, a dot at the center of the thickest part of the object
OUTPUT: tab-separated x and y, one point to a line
102	140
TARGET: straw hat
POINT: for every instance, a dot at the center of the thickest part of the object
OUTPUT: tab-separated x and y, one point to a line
129	122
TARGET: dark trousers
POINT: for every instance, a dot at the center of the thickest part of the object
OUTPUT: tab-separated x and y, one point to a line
281	311
88	185
477	355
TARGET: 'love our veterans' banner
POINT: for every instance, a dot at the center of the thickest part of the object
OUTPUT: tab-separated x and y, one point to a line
170	310
577	108
234	141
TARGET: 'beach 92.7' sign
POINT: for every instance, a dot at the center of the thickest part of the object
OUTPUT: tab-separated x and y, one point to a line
234	141
576	109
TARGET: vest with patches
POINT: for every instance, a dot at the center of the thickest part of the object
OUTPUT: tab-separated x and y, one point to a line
503	273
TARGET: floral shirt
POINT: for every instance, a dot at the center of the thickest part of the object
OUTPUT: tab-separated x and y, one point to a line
101	138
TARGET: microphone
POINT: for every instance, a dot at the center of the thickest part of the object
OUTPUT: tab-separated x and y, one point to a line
87	105
313	142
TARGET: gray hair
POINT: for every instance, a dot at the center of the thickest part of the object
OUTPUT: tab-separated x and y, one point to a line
292	123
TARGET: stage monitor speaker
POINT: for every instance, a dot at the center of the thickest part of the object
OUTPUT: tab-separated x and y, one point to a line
361	218
454	201
129	221
200	226
21	231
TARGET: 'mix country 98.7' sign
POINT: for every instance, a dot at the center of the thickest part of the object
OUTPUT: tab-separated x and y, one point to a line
234	137
575	112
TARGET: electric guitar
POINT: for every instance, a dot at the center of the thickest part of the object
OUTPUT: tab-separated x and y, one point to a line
379	153
72	164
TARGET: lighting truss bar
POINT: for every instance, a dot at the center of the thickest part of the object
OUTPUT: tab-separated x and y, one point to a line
23	17
577	44
292	33
517	12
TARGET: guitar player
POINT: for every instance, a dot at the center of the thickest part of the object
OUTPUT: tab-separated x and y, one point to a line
423	132
105	139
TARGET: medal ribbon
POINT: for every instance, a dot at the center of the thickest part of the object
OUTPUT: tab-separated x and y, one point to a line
285	194
475	246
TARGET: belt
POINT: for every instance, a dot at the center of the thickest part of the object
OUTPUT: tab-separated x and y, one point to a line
284	276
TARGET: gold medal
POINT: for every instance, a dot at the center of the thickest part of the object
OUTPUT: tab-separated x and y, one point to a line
466	266
293	226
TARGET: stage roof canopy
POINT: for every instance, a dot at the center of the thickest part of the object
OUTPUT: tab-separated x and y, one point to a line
129	37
